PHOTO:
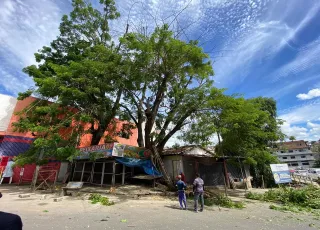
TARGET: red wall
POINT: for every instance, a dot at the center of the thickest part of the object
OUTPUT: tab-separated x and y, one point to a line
29	171
85	140
19	106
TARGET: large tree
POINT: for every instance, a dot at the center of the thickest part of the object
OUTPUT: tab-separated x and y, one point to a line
244	128
172	82
82	68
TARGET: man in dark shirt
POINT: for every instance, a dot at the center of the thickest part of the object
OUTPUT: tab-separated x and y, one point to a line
9	221
198	190
182	196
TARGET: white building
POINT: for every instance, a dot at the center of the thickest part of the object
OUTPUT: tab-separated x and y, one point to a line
295	154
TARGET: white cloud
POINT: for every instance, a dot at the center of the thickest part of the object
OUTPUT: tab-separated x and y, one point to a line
25	26
300	133
307	58
311	94
303	113
286	87
13	83
255	41
302	122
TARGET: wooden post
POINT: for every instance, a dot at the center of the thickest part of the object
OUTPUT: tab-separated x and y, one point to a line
262	181
36	173
225	186
123	174
84	163
245	182
102	175
114	174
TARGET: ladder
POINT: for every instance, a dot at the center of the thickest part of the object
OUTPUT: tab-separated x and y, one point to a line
158	162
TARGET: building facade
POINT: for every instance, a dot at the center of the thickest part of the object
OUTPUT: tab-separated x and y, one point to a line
297	154
13	143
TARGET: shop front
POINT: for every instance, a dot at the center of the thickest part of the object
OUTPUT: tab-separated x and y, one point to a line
112	164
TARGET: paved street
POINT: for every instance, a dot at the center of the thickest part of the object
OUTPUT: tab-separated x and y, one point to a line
38	213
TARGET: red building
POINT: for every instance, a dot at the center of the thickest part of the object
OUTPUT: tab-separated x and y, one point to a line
13	143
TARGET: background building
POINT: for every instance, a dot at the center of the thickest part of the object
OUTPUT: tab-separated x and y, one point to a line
295	154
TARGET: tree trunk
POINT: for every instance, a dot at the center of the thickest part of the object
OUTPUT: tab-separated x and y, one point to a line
140	134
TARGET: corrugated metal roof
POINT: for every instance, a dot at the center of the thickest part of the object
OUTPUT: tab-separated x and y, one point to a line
14	145
188	150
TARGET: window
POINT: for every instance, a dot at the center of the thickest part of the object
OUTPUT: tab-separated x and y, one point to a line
290	151
284	157
294	164
305	163
293	157
282	151
303	156
300	150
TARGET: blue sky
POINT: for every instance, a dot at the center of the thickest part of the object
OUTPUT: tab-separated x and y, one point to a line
258	47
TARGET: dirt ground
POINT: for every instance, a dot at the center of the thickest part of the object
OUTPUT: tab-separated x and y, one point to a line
39	211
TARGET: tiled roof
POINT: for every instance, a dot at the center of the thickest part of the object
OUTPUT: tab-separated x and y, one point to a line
188	150
291	145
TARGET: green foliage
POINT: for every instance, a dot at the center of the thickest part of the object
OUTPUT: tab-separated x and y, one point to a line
171	82
47	121
292	138
254	196
304	198
244	128
97	198
83	73
316	164
82	68
223	201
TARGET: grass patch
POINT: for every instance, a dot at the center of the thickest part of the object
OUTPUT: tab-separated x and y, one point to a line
295	200
97	198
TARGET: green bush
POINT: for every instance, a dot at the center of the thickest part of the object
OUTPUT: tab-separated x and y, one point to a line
223	201
97	198
254	196
307	198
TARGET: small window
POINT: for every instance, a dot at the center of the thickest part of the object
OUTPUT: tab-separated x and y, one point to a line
282	151
303	156
294	164
284	157
300	150
290	151
293	157
305	163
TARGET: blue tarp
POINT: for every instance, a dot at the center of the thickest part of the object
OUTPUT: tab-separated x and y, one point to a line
147	165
